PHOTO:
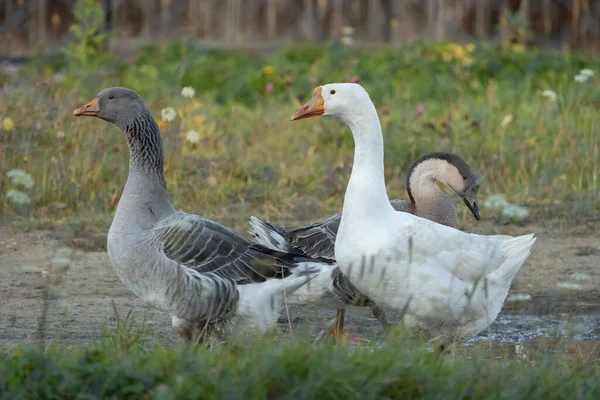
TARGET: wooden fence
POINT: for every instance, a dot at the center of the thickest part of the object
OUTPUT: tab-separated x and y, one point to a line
30	25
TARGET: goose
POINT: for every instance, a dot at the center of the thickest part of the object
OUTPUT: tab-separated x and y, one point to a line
427	200
449	284
208	278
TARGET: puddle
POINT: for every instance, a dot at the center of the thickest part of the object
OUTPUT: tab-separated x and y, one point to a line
511	328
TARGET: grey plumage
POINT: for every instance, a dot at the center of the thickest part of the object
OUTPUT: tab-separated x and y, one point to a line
186	265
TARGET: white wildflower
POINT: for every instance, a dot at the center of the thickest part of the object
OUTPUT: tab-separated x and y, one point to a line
515	212
21	178
60	134
53	160
586	72
347	30
550	95
188	92
192	136
168	114
347	41
496	201
18	197
506	120
580	78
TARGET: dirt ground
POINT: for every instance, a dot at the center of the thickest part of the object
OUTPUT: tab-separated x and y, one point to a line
80	305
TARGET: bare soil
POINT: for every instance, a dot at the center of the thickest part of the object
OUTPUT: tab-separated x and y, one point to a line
80	299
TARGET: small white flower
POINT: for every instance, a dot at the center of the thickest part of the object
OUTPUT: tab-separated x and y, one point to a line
188	92
347	40
579	78
168	114
60	134
506	120
347	30
515	212
192	136
53	160
586	72
550	95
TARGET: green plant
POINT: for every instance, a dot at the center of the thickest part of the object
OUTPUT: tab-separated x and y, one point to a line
88	46
18	196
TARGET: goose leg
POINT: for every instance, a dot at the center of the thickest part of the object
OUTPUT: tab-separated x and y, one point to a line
338	329
380	315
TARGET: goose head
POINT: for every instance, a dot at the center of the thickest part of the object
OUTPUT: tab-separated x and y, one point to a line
452	171
116	105
342	100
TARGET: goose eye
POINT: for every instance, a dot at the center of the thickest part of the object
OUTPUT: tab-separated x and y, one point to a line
332	91
111	96
464	177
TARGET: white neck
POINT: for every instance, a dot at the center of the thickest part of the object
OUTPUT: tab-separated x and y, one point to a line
366	193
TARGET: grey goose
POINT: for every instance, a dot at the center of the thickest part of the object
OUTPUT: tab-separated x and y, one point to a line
209	278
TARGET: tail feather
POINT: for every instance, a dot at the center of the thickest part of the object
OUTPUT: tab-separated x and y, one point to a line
267	234
515	250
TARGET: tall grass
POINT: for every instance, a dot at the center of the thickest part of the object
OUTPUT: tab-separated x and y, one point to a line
296	369
481	104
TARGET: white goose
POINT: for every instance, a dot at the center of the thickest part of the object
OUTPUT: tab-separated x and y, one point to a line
209	278
427	200
449	283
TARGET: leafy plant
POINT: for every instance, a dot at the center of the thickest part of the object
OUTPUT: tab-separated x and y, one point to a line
18	196
88	45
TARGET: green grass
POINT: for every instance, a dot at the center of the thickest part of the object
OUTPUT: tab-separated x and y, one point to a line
252	160
124	365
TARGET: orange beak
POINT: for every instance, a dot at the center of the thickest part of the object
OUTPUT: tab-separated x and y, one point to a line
313	108
91	109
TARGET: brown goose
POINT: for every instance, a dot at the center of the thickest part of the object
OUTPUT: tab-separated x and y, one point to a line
427	200
201	273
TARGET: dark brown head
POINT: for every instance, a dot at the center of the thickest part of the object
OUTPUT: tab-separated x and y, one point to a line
452	171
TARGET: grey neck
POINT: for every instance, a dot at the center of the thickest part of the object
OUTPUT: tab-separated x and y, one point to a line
430	202
145	199
145	147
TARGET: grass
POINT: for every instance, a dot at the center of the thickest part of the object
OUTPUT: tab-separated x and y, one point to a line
125	364
484	105
251	160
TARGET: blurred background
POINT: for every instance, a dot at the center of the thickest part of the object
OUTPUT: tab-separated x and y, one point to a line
28	26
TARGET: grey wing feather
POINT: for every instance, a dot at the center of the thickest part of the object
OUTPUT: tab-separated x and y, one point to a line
316	240
207	247
402	205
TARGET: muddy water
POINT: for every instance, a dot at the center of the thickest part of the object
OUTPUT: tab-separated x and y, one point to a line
518	328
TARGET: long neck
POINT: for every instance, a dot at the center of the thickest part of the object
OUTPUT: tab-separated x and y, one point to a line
145	148
366	192
428	200
422	188
145	199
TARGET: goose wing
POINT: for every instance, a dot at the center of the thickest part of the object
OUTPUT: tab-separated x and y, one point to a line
208	247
